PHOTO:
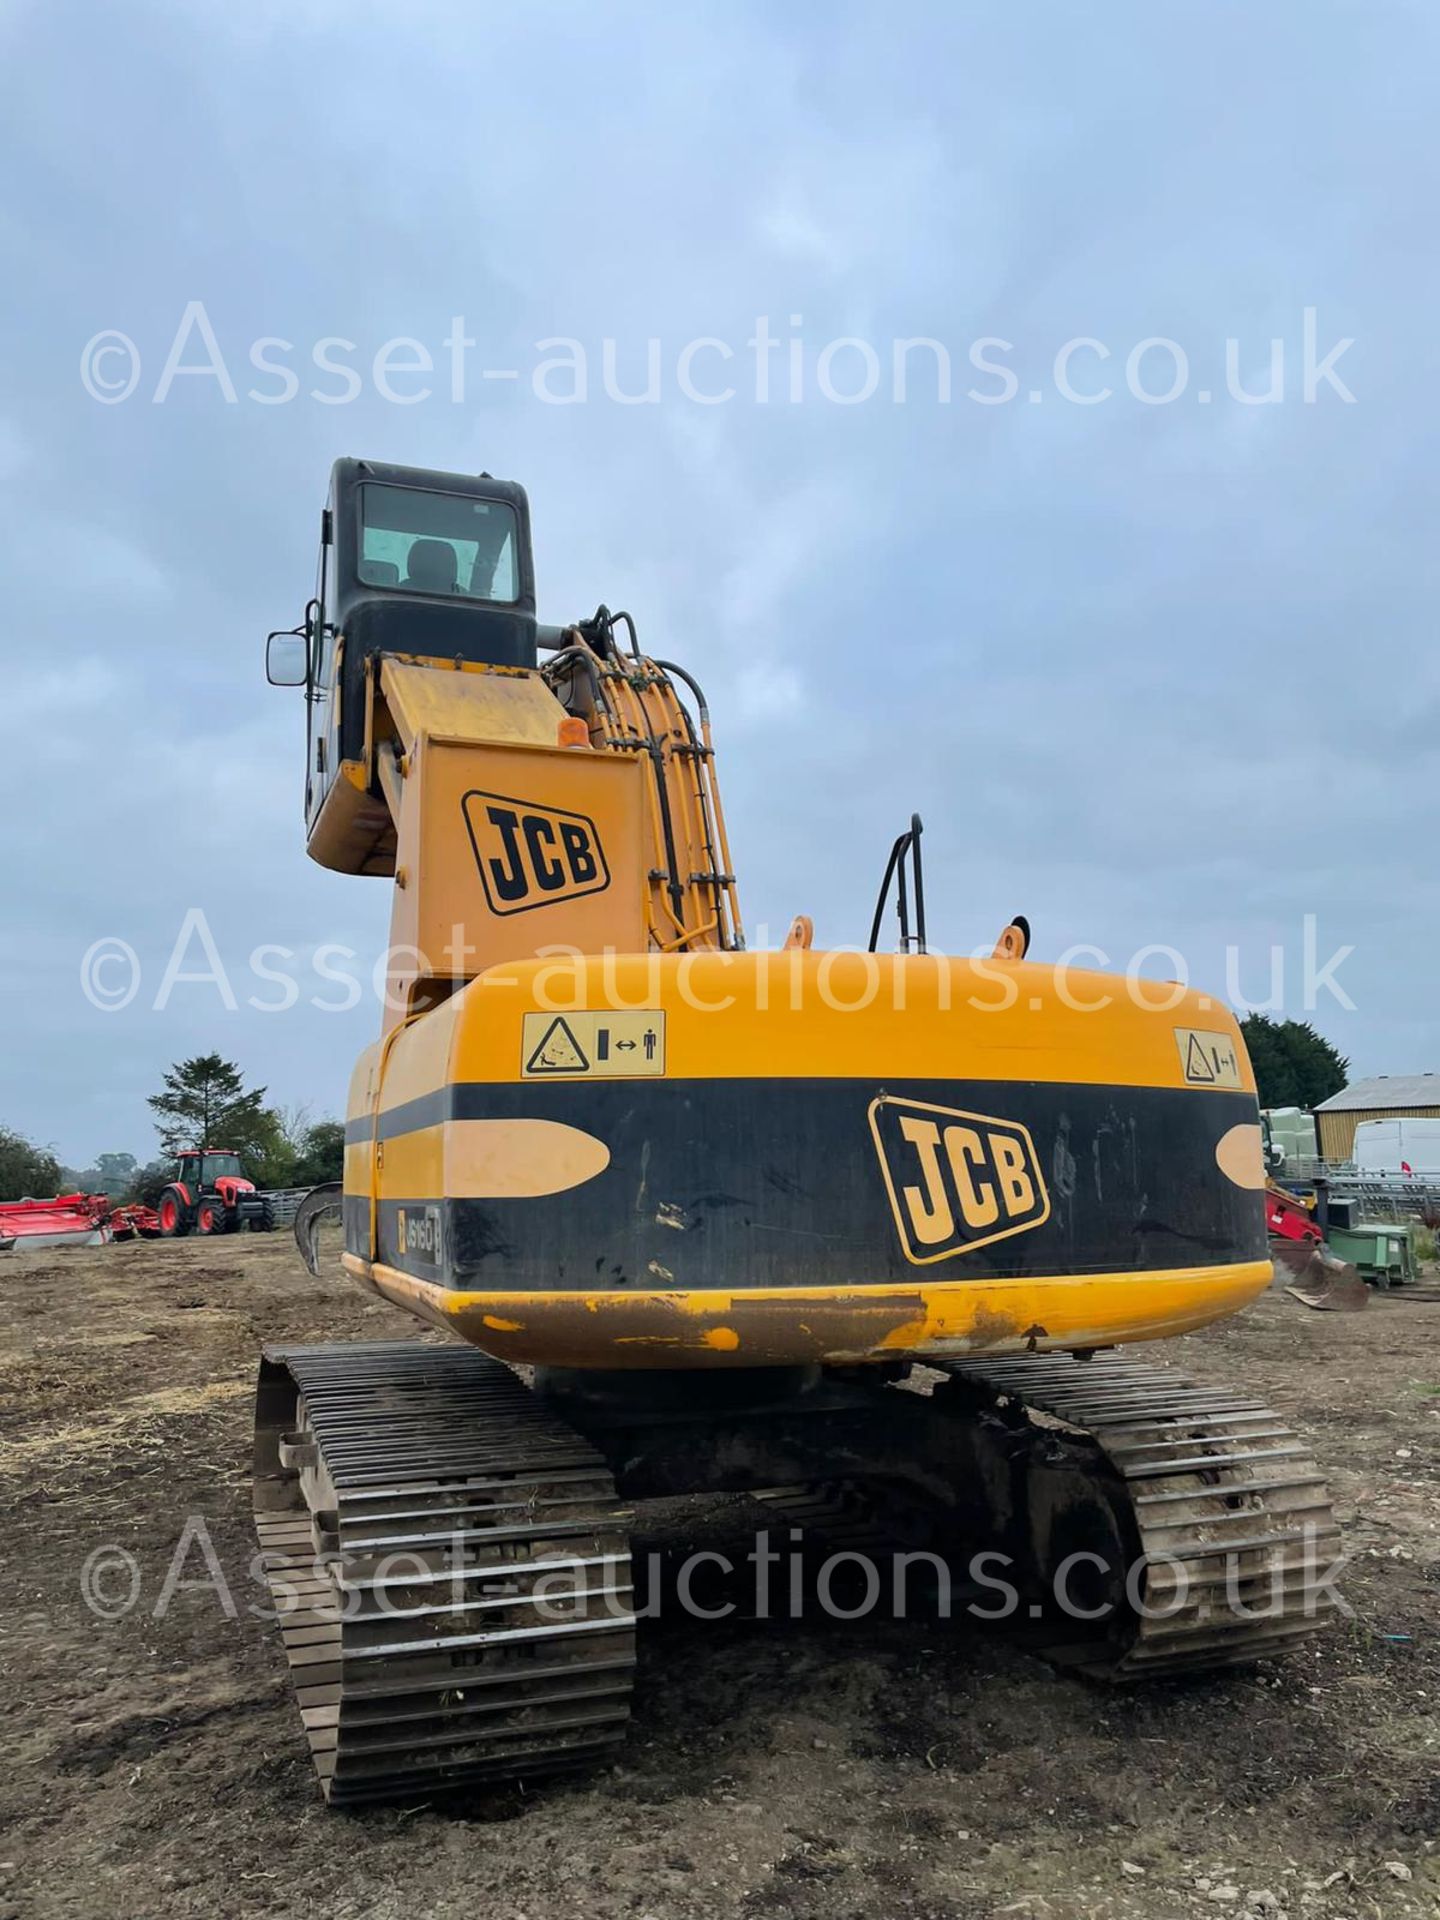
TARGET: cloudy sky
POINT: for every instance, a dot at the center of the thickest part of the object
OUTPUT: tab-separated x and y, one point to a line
1153	670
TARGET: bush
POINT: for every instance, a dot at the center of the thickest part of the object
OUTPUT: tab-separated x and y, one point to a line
322	1156
27	1171
147	1181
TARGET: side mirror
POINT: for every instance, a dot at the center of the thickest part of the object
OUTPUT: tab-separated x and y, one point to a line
287	659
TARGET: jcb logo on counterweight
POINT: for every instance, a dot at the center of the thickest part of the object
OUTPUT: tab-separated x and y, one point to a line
956	1180
531	856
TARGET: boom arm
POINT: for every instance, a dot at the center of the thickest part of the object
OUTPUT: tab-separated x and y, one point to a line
573	806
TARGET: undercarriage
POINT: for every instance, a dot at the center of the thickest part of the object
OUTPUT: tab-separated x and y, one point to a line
448	1547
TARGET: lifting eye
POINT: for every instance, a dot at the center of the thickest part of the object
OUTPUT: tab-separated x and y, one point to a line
1014	942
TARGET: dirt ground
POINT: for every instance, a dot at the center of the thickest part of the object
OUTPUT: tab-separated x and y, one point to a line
155	1766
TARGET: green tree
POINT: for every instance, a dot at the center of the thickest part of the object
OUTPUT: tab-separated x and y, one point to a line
1294	1065
116	1171
322	1155
25	1169
112	1173
287	1149
204	1103
146	1182
269	1159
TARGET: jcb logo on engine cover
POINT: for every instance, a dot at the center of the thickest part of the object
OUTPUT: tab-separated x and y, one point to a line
956	1180
531	856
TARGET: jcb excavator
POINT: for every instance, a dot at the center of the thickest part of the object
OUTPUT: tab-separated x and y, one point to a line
848	1230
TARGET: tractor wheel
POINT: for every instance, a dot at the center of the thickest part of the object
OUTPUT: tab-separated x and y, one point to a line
266	1221
173	1215
210	1215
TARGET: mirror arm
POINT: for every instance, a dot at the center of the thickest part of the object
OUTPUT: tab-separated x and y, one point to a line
313	627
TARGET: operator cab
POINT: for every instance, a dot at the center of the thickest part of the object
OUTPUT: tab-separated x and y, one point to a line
428	563
436	565
203	1170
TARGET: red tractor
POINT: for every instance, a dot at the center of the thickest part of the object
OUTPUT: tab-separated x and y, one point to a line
210	1194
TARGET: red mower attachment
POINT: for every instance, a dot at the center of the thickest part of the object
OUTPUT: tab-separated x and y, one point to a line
126	1223
69	1220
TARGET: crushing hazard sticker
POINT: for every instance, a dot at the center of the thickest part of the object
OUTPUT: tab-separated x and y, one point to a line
1208	1059
596	1046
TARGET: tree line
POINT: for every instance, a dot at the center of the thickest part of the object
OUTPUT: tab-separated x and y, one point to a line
203	1101
1294	1065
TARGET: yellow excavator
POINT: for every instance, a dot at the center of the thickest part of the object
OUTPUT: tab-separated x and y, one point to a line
855	1232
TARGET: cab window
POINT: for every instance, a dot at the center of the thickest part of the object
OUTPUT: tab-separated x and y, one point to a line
416	541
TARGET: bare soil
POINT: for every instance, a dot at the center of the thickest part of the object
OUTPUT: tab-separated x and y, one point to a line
846	1772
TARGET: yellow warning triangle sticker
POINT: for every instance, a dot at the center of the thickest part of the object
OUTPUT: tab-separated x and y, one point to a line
1197	1061
558	1052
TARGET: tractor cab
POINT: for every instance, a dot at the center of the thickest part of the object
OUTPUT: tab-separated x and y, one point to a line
434	565
197	1170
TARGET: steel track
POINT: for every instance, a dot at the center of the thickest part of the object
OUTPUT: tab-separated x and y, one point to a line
449	1565
1203	1498
1230	1529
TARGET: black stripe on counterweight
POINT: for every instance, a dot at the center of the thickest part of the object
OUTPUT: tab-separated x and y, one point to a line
776	1183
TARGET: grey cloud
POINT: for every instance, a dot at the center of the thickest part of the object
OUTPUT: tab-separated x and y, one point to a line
1151	673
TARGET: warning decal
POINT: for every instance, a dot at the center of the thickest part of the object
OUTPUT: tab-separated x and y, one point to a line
558	1050
599	1046
1208	1059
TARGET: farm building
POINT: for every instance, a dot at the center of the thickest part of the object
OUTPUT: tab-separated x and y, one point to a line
1393	1096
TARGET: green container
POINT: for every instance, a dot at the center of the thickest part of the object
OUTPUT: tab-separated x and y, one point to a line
1383	1254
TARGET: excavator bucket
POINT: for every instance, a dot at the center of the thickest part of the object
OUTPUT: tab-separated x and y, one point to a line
321	1207
1318	1279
